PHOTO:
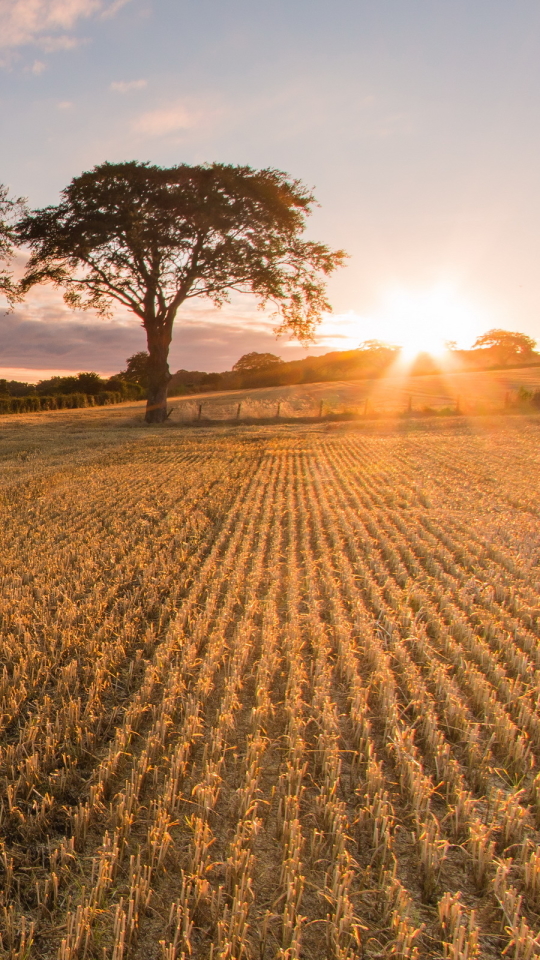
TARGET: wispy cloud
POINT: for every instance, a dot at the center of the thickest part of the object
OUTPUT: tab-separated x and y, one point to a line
159	123
63	42
47	21
111	9
43	334
125	86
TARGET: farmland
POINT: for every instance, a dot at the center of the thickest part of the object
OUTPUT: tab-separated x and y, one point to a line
473	392
269	692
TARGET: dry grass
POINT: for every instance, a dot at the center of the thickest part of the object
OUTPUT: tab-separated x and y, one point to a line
471	392
269	692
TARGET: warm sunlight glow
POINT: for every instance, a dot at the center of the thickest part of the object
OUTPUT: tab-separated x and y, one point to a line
420	321
424	322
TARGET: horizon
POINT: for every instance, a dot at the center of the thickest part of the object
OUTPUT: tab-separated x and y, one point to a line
444	361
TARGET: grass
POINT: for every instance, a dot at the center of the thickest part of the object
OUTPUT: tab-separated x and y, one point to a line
269	691
470	392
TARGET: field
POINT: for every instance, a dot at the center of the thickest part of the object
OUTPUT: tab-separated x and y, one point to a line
473	392
269	692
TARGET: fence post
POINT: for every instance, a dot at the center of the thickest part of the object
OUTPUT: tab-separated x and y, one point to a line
321	408
409	408
200	412
278	413
238	410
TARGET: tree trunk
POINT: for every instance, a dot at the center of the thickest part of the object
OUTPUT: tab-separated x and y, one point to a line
156	404
158	377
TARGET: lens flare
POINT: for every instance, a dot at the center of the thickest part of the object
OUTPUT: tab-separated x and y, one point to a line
425	321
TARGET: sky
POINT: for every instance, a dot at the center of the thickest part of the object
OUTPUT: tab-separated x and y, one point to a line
415	121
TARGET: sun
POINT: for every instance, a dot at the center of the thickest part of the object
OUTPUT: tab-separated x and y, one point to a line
424	321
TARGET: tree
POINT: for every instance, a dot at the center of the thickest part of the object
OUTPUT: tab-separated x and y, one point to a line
137	369
256	361
375	345
507	346
10	211
90	383
151	238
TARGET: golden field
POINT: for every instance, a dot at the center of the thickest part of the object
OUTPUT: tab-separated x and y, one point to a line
472	392
269	692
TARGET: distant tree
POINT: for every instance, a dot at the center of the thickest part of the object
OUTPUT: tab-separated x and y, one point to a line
195	381
117	384
10	211
150	238
256	361
137	369
211	381
90	383
18	388
129	389
507	346
370	345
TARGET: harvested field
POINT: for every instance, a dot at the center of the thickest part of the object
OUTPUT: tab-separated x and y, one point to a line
269	693
473	392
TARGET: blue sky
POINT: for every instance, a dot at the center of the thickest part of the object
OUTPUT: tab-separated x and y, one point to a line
416	121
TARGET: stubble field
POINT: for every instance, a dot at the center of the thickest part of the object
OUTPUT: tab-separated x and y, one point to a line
269	692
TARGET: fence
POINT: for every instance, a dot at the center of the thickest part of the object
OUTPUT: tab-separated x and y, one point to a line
308	408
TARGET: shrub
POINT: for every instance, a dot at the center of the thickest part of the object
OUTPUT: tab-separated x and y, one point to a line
66	401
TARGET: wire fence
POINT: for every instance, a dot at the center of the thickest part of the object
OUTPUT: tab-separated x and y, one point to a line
308	408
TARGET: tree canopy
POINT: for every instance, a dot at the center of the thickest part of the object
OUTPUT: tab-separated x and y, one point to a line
137	369
256	361
373	345
10	211
507	346
150	238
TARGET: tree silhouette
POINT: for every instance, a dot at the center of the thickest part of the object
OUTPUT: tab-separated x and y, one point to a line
256	361
151	238
507	346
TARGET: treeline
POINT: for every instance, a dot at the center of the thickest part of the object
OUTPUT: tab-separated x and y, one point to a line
69	401
496	349
370	360
68	393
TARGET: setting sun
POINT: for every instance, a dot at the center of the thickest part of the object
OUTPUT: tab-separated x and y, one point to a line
424	321
418	320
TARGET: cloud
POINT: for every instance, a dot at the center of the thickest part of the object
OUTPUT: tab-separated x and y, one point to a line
159	123
39	21
64	42
38	67
64	105
76	343
43	334
112	9
125	86
67	344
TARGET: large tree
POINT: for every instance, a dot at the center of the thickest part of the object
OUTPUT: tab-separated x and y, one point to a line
151	238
